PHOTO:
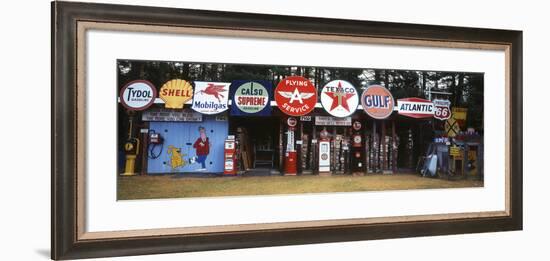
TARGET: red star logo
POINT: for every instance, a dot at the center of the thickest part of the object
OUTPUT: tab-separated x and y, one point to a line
339	98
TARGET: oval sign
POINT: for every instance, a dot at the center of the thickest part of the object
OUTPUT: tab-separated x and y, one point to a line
377	102
251	97
295	96
138	95
339	98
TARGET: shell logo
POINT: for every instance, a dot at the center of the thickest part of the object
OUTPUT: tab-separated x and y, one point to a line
175	93
377	102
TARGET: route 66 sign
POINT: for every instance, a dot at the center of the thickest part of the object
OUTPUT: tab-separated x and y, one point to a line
442	109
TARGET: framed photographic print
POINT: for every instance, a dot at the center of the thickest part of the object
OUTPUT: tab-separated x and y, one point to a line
180	130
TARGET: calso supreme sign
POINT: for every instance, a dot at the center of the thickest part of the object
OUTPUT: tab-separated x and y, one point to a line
138	95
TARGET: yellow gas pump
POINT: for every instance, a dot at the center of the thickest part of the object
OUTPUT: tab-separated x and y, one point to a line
131	147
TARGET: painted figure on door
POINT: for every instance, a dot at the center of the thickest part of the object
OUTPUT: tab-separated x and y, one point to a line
202	147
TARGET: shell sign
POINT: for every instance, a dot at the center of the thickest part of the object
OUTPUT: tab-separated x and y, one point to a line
377	102
175	93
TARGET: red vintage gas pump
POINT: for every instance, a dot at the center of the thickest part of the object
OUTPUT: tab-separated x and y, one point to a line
290	154
229	156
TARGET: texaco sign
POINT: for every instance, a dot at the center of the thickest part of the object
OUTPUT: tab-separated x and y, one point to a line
339	98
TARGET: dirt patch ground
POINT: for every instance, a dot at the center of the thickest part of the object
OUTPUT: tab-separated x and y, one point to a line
178	186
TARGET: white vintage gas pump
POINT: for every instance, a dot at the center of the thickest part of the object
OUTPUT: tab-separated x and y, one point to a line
324	152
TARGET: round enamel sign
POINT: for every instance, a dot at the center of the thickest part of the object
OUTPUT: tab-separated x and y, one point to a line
295	96
356	125
138	95
339	98
251	97
377	102
291	121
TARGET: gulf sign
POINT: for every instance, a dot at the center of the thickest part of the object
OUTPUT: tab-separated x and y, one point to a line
415	108
377	102
138	95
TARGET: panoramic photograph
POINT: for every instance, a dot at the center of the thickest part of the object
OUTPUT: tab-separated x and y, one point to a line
189	129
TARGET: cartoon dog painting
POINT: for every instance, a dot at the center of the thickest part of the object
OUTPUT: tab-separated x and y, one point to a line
176	158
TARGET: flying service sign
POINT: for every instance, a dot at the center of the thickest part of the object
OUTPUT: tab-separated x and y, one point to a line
295	96
339	98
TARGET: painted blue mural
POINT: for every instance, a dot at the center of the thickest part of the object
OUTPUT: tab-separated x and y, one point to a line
189	147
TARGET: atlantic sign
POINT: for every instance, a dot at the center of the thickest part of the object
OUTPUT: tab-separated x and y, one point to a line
415	108
138	95
295	96
210	97
377	102
339	98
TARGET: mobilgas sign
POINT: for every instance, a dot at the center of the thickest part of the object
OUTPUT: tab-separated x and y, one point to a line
415	108
377	102
339	98
138	95
210	97
251	98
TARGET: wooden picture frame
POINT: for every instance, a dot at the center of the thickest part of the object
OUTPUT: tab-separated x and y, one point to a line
71	20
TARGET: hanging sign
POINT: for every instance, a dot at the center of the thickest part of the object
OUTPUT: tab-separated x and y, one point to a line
442	109
339	98
138	95
162	114
415	108
251	97
305	118
175	93
454	151
295	96
332	121
377	102
210	97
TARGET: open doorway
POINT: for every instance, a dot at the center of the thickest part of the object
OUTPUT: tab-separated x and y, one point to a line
258	139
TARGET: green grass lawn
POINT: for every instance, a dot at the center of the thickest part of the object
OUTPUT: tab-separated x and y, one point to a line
174	186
